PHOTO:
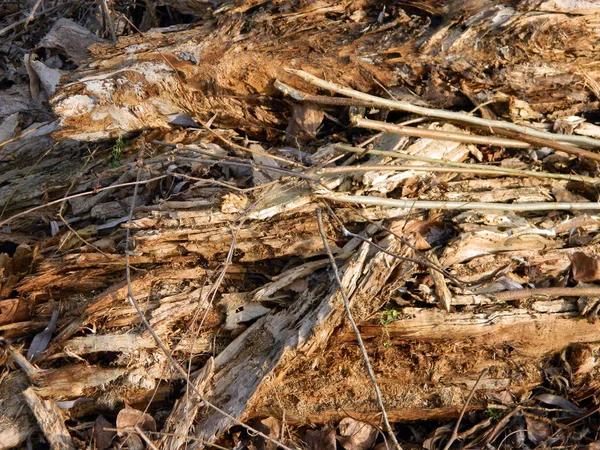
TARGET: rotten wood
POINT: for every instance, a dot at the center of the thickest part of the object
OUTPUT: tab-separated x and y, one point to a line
275	325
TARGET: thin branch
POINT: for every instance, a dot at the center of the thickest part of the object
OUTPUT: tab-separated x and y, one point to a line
489	169
222	183
460	206
319	99
33	11
25	133
522	294
440	135
145	438
336	273
81	194
16	24
475	170
443	114
420	262
464	409
108	20
544	142
247	150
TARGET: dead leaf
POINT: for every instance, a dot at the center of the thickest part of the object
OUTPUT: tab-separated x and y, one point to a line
320	440
503	397
101	436
41	340
585	268
537	431
561	402
304	123
128	418
355	435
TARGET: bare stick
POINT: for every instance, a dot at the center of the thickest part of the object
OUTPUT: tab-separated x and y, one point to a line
475	170
521	294
81	194
386	422
438	134
111	27
145	438
542	142
32	13
460	206
443	114
488	169
464	408
16	24
319	99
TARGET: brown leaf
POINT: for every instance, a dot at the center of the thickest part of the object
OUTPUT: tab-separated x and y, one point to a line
537	431
102	437
304	123
355	435
561	402
320	440
129	418
585	268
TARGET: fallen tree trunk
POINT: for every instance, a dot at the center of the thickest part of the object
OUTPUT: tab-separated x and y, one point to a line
226	256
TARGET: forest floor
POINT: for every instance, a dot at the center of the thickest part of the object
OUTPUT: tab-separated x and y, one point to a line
321	225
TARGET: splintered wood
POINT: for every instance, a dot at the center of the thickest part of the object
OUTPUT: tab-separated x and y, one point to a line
465	232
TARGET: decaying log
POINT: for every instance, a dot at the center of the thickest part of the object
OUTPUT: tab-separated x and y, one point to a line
50	420
230	270
546	60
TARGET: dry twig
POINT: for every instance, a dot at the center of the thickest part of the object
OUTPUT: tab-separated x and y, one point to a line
363	350
461	206
443	114
464	409
438	134
480	168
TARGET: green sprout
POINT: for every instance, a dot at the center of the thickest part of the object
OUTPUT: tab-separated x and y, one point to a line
495	414
387	317
117	152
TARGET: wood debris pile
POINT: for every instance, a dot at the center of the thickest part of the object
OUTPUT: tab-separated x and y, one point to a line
190	213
